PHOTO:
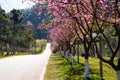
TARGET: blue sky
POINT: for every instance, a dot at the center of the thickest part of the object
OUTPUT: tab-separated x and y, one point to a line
8	5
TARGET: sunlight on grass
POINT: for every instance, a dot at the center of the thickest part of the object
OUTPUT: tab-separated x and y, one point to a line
41	41
59	68
108	72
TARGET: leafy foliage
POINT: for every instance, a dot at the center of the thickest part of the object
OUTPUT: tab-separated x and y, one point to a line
38	16
13	33
16	16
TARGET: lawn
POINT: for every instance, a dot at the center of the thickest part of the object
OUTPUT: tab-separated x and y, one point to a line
40	47
59	68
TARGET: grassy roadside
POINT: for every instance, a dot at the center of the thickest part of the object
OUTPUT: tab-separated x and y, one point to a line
59	68
40	47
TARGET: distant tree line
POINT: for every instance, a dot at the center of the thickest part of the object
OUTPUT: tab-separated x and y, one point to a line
38	16
14	36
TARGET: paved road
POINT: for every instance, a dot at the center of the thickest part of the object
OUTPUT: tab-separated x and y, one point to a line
31	67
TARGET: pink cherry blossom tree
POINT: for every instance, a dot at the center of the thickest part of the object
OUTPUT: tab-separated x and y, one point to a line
81	18
87	17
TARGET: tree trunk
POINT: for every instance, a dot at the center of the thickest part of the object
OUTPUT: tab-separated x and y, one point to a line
100	51
78	53
71	60
118	75
62	53
7	48
66	54
86	73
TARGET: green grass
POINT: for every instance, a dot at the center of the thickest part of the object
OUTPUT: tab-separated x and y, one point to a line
40	47
41	41
3	55
59	68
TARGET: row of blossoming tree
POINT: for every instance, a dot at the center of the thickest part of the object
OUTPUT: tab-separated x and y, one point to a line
86	20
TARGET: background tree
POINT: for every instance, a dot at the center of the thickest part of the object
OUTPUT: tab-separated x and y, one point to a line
16	16
13	35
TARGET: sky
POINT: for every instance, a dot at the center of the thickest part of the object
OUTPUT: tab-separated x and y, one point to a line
8	5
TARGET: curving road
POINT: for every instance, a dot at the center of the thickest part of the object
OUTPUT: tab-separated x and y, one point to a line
30	67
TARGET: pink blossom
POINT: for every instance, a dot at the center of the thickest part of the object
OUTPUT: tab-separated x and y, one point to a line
77	15
118	3
65	1
51	4
84	15
118	20
101	1
38	12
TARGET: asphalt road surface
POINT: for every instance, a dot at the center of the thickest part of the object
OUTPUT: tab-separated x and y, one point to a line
30	67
